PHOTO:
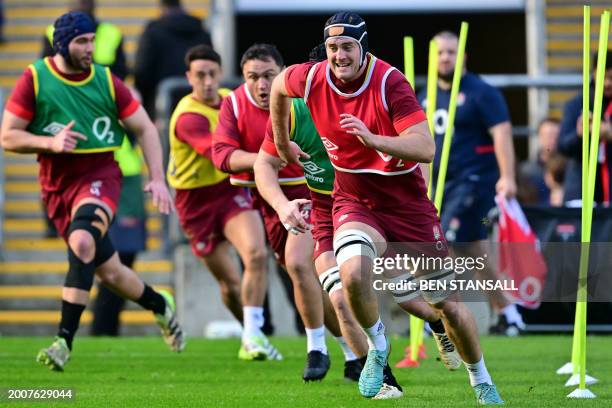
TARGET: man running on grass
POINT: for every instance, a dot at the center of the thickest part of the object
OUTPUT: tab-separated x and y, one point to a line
376	135
67	109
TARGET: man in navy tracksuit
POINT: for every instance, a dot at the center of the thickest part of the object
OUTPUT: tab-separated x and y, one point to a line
481	164
570	142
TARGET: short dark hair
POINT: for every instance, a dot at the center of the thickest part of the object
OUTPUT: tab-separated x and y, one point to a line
608	60
202	52
262	52
548	119
556	165
171	3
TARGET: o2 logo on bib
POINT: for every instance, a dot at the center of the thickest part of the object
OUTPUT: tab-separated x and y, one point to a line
101	130
440	120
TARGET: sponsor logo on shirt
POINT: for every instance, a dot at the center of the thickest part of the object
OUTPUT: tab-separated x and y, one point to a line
328	144
95	188
313	168
54	128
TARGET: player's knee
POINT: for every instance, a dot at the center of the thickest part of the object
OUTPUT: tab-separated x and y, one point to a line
109	276
297	267
255	258
82	245
352	275
112	271
87	228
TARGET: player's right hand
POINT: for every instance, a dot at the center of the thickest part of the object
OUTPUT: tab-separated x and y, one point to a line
291	216
160	196
66	140
292	154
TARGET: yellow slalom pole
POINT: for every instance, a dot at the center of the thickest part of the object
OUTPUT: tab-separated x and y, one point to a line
586	72
594	150
415	322
432	96
415	326
452	108
409	60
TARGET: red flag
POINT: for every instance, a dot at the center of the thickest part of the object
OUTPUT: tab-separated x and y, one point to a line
520	258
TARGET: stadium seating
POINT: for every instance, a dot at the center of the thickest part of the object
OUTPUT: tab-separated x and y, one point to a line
26	21
564	42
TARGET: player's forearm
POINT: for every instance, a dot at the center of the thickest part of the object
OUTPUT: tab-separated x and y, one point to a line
266	178
504	149
280	107
241	160
415	147
21	141
148	139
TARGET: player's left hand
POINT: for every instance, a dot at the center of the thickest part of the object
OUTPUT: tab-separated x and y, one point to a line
355	126
292	216
506	186
160	195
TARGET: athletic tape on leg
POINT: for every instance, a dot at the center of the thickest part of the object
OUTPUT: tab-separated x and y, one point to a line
80	274
351	243
91	218
330	280
437	296
406	287
104	250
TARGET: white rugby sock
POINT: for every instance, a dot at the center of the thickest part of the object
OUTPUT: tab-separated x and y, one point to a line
513	316
348	353
315	339
253	320
376	336
478	372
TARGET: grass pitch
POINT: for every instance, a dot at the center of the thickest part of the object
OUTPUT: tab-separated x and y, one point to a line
142	372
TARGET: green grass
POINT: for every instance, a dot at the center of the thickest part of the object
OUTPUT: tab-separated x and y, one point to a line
141	372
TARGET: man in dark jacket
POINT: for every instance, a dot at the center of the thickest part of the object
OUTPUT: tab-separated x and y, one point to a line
162	47
570	142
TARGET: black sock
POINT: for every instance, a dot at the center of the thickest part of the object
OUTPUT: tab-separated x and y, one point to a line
362	360
71	315
151	300
437	326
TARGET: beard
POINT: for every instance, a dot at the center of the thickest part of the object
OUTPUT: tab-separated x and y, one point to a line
448	77
77	64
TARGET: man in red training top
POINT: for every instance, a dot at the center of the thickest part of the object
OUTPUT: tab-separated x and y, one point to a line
376	135
67	110
238	137
212	212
